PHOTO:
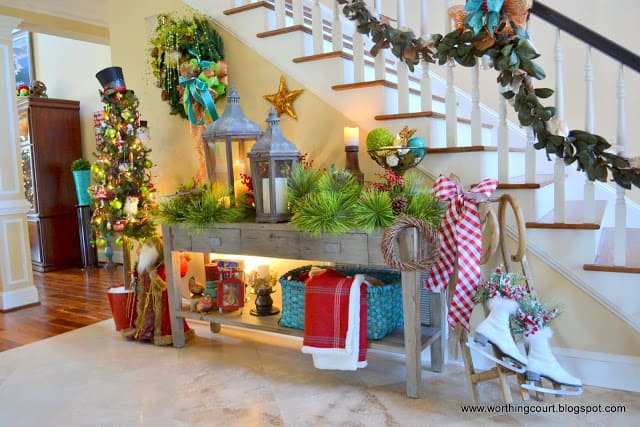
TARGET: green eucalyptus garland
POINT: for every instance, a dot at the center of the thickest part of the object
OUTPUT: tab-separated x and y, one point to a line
512	55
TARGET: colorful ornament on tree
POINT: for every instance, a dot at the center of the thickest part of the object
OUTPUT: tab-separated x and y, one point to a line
283	99
122	168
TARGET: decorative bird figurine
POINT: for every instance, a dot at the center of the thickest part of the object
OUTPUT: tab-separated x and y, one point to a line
205	304
194	287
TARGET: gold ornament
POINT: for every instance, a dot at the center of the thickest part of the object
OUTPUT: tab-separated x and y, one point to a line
283	99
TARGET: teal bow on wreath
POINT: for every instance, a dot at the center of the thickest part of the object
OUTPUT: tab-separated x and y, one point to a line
197	90
483	12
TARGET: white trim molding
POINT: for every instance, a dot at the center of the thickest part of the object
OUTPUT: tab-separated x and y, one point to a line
18	298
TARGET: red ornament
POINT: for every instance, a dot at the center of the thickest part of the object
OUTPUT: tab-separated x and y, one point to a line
184	265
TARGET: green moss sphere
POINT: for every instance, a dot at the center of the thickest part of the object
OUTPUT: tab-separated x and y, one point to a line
380	137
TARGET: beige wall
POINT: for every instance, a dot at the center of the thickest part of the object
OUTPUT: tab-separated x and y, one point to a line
68	68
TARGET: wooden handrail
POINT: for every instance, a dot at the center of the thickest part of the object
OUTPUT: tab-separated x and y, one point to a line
587	35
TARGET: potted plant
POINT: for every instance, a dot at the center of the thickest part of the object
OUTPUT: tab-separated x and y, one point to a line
81	170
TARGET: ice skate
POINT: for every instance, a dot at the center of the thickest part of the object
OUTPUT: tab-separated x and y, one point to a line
542	364
495	331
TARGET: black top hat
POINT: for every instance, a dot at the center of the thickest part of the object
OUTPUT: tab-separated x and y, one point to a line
112	78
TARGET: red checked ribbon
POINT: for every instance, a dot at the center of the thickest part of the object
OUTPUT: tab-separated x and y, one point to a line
461	238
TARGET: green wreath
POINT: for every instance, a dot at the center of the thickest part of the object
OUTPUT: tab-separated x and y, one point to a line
187	62
495	29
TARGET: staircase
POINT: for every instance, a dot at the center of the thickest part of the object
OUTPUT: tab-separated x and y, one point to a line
585	231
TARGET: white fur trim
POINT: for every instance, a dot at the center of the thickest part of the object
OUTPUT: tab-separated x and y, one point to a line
148	257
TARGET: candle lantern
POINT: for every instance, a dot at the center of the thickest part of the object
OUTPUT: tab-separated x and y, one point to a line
272	159
232	133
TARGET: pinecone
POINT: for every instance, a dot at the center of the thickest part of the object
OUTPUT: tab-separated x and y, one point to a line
399	204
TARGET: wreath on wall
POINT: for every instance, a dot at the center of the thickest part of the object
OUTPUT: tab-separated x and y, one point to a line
496	28
187	59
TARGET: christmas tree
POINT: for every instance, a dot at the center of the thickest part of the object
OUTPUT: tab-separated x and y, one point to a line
122	197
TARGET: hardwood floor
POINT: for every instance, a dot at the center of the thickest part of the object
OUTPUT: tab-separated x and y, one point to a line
69	299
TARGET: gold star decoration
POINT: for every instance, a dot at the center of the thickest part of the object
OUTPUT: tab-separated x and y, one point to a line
283	99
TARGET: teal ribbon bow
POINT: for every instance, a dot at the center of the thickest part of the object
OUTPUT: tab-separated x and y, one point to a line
196	89
483	12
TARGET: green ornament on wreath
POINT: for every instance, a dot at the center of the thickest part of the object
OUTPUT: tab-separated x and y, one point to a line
187	62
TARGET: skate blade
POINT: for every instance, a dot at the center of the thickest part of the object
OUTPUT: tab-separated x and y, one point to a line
504	363
576	391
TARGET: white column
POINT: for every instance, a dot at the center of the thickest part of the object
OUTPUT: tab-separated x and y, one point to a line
530	157
16	276
402	68
380	71
620	244
316	27
589	214
336	28
559	167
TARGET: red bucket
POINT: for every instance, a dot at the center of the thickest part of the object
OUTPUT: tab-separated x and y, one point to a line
123	306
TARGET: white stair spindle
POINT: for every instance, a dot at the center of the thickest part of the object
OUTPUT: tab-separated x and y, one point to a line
589	214
530	157
401	68
559	166
336	28
426	90
451	107
620	243
358	57
476	121
503	140
280	13
316	27
380	71
298	12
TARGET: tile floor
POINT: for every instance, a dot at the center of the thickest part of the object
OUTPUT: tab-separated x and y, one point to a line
93	377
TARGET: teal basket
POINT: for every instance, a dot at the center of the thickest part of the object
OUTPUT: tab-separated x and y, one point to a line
384	303
82	180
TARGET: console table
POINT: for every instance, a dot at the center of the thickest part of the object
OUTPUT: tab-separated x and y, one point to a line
283	241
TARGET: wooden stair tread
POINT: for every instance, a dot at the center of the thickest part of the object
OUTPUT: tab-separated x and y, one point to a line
432	114
519	183
573	210
285	30
249	6
321	56
466	148
604	257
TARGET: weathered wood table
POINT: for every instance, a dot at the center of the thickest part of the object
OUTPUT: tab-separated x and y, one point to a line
283	241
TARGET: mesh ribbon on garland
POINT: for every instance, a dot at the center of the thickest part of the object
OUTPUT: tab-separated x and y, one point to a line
461	239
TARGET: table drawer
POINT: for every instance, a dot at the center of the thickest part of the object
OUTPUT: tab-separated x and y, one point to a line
347	249
221	240
271	243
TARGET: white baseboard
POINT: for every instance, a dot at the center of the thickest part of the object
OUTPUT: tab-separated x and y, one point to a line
18	298
613	371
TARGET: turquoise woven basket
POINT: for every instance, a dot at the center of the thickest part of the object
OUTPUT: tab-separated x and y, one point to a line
384	303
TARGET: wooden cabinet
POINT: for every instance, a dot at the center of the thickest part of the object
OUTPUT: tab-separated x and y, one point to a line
49	131
283	241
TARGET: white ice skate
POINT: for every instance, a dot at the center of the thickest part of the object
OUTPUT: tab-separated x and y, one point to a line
542	364
495	331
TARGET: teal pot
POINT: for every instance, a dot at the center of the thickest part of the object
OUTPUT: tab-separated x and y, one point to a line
82	180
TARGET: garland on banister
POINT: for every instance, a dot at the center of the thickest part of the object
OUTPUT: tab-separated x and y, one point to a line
496	28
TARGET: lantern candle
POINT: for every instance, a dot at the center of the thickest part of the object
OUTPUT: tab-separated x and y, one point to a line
280	189
263	271
351	136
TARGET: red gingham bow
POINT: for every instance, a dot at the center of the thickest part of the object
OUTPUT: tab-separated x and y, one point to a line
461	237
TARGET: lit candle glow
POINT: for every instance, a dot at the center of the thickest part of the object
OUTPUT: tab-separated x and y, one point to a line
351	136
